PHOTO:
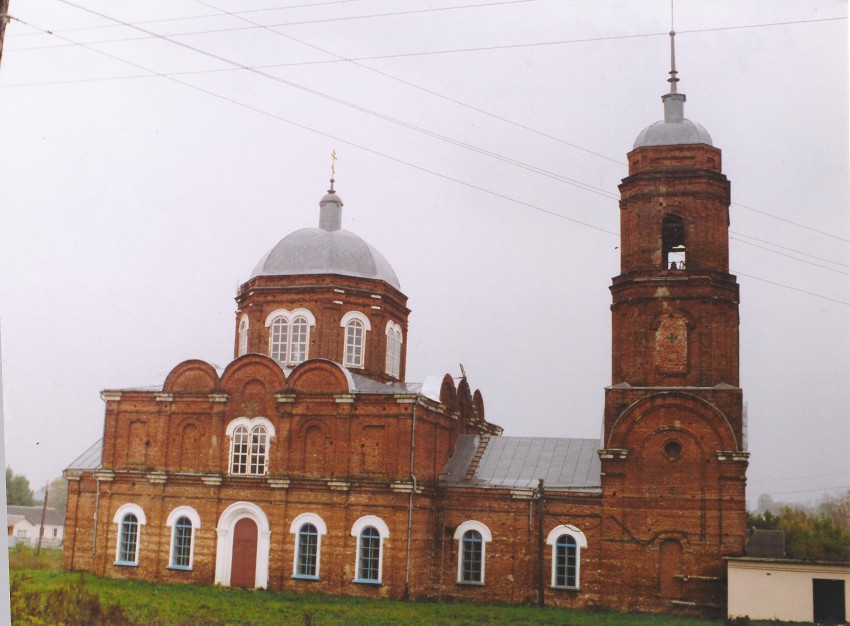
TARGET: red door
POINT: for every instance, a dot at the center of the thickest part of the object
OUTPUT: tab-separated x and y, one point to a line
243	563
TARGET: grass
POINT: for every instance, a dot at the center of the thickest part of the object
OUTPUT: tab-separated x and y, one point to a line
40	592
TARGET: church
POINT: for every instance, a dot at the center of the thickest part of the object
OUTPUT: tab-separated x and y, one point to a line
310	464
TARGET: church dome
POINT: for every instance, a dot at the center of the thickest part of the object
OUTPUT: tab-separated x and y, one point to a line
326	250
674	129
665	133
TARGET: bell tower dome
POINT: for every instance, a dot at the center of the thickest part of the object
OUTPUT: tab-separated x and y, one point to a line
674	458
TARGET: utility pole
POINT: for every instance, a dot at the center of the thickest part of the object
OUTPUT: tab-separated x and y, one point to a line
4	19
41	529
541	581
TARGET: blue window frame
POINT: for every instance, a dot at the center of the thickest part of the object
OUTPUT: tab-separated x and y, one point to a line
369	555
308	552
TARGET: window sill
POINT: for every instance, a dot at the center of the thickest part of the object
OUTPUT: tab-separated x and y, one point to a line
559	588
470	583
126	564
181	568
362	581
304	577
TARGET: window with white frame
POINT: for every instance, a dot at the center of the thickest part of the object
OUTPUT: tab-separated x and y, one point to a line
289	335
130	518
393	349
371	532
472	537
308	529
183	521
243	335
249	445
356	326
567	542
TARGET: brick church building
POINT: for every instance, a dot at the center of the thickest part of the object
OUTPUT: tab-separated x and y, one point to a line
310	464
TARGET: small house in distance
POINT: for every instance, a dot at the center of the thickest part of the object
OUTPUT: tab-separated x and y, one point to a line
24	524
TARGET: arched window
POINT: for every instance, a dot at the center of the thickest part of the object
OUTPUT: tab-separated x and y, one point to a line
308	529
279	342
369	561
239	451
243	335
393	349
566	542
249	445
183	520
181	543
128	543
308	551
129	517
356	324
298	332
289	335
370	532
259	445
673	242
472	537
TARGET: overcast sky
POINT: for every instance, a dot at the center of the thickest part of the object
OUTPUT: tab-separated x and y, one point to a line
152	152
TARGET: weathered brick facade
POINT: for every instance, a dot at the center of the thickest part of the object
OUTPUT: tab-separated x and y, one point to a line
255	458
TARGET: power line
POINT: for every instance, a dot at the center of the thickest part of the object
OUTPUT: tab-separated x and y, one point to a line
389	157
776	245
787	221
755	245
774	283
367	111
415	86
299	23
783	493
772	480
339	58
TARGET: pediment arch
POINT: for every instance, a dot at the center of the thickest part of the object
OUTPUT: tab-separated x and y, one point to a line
645	416
192	376
320	376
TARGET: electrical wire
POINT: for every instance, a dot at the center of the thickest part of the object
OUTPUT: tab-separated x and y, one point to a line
375	152
223	30
355	61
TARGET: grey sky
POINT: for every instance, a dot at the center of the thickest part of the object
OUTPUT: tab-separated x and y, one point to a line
144	179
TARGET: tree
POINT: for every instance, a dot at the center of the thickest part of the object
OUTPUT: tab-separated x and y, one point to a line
18	489
57	494
820	532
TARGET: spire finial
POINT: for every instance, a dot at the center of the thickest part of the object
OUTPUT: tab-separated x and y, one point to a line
673	79
333	169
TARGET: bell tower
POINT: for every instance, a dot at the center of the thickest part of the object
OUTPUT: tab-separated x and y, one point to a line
673	457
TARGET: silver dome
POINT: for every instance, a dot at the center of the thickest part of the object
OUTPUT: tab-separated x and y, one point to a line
319	251
326	250
672	133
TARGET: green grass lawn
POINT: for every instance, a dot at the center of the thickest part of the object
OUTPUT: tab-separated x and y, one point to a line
38	596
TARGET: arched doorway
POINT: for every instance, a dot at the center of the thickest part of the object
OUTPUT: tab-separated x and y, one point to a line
670	570
243	562
242	546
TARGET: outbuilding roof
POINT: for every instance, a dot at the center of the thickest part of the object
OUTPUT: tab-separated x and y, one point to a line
32	514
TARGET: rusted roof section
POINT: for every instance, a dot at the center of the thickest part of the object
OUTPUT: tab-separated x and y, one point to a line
520	463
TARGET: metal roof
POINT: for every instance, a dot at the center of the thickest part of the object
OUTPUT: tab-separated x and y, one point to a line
520	462
672	134
32	514
326	250
90	459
